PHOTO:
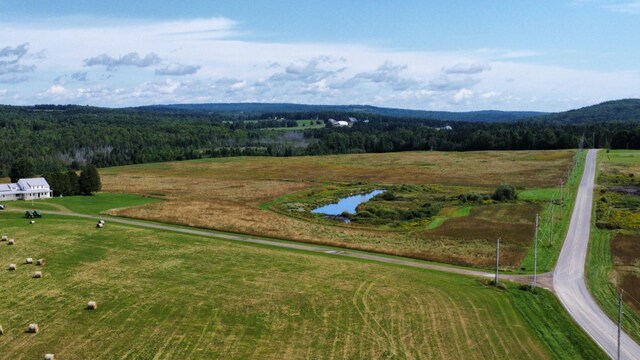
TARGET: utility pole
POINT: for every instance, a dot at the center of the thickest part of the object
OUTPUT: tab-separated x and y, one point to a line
619	320
535	255
551	225
497	259
561	183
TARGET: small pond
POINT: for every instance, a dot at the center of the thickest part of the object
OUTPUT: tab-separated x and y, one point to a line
348	204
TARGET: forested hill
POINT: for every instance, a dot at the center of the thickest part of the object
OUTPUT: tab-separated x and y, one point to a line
611	111
57	137
260	109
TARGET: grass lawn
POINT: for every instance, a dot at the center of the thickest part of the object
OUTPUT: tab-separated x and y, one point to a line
235	195
549	247
165	295
91	205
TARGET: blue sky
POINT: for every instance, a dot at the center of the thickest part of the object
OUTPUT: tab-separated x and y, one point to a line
445	55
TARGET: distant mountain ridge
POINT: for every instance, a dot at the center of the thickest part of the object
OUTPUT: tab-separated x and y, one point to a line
625	110
261	108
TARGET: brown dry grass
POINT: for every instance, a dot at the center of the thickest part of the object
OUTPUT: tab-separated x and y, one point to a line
626	250
226	194
631	284
512	223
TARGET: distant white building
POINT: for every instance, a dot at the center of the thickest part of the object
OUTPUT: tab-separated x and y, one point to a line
26	189
335	123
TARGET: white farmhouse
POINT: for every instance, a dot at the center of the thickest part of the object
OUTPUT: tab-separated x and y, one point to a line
26	189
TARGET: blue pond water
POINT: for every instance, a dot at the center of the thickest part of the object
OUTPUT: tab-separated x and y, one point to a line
347	204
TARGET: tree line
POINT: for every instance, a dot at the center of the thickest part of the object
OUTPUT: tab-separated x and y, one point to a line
62	183
62	138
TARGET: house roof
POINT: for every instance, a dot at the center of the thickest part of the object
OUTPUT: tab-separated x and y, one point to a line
30	183
25	186
8	187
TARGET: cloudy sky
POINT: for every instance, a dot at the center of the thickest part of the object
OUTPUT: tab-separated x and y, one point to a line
545	55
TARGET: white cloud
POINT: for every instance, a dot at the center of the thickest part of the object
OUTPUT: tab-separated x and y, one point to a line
452	82
130	59
79	76
229	70
628	7
462	94
469	69
56	90
12	64
177	69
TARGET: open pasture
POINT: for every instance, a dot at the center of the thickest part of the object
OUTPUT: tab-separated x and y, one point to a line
165	295
236	194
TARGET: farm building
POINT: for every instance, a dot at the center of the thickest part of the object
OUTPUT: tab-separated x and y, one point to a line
340	123
26	189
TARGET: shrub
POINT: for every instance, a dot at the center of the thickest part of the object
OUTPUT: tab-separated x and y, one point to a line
505	192
388	196
471	197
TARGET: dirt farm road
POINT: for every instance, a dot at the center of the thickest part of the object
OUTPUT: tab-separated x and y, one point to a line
569	281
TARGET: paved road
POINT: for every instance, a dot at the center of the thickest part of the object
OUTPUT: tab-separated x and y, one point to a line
569	278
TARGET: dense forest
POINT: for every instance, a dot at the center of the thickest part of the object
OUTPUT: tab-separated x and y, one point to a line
251	110
58	138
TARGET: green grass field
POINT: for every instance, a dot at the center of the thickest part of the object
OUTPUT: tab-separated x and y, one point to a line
604	277
549	247
90	205
164	295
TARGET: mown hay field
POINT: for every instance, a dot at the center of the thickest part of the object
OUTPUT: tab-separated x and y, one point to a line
164	295
229	194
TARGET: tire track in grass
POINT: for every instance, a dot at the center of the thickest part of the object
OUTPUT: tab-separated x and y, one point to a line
366	325
366	305
159	335
435	328
203	333
475	345
422	320
453	315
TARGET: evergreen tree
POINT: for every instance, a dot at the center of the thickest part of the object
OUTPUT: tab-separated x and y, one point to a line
22	168
74	182
89	180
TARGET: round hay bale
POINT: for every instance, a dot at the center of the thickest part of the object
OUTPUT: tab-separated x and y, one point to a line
4	238
32	222
101	222
11	242
1	330
40	262
50	357
37	274
92	305
12	267
33	328
99	225
28	261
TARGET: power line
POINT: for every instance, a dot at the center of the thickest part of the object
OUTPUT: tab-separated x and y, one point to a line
629	296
